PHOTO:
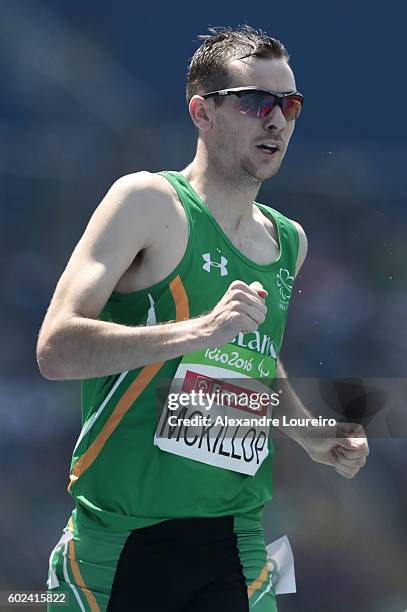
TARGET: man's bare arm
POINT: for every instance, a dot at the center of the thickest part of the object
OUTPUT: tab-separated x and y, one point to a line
74	344
343	447
291	407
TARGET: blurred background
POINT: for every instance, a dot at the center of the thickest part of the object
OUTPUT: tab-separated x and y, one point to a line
94	90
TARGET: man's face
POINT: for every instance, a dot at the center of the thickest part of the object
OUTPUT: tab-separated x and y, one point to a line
234	139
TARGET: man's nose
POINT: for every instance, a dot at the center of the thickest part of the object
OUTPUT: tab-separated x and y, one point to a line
275	120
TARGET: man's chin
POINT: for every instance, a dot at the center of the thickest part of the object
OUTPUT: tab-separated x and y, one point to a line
263	172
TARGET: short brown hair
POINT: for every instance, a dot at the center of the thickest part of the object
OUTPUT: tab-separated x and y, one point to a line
208	69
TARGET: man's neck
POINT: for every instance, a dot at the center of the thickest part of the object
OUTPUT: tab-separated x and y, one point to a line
230	201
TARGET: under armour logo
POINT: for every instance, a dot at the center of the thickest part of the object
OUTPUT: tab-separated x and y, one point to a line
209	263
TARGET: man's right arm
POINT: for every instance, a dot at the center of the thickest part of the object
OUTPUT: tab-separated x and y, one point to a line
74	344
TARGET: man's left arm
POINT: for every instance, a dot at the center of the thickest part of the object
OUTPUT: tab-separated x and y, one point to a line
343	447
348	449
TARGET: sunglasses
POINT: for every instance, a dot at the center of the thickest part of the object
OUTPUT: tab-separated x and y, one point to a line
259	103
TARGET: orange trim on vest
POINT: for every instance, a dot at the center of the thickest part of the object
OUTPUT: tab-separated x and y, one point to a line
79	580
256	584
132	393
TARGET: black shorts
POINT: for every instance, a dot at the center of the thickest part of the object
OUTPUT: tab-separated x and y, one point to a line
181	565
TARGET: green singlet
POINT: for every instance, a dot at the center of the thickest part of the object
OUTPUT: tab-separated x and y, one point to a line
121	477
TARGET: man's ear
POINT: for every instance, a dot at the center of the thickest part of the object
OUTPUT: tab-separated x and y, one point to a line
201	112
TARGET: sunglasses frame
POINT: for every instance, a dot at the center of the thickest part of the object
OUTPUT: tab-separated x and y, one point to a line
238	91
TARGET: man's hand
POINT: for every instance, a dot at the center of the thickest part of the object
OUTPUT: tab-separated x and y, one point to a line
347	453
241	309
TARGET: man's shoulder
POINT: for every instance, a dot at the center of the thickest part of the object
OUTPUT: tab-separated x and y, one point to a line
143	182
144	193
281	215
302	237
301	233
302	245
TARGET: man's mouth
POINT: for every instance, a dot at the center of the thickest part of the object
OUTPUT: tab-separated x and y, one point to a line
268	149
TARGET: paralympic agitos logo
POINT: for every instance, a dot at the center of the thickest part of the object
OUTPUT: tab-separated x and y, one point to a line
285	286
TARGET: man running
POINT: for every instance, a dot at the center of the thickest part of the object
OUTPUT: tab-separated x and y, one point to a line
182	276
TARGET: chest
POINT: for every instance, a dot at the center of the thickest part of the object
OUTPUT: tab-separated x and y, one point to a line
258	243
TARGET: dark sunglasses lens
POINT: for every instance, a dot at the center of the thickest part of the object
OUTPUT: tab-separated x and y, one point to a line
256	104
266	105
291	107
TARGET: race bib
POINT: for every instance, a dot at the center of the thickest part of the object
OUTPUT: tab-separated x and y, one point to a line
218	409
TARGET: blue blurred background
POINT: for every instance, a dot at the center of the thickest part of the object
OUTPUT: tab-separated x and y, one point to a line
94	90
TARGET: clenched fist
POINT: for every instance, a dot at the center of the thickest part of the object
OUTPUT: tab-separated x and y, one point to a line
347	453
241	309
